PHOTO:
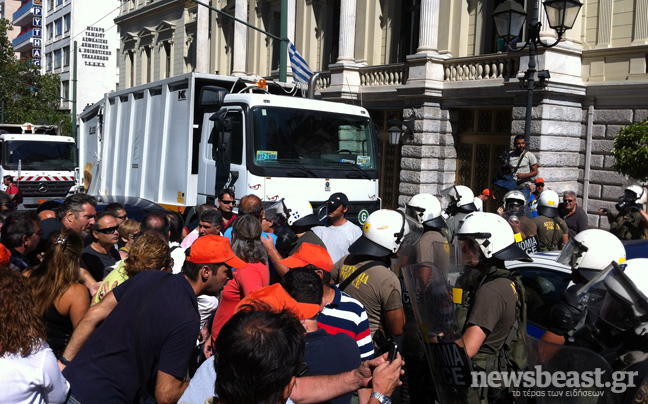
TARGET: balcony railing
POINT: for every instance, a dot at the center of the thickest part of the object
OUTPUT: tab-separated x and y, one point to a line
23	9
488	67
324	80
385	75
21	39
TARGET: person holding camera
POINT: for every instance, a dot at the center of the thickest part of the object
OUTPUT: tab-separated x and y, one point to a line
631	223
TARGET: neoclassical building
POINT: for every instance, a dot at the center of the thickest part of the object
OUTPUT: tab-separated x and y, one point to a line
436	62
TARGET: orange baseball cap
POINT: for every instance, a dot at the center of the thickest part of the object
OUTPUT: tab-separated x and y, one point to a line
213	249
277	299
310	254
488	192
539	180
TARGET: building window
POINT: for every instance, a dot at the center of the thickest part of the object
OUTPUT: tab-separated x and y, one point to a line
66	22
57	58
66	56
48	62
50	5
409	33
59	2
65	90
59	26
148	63
50	31
131	66
167	58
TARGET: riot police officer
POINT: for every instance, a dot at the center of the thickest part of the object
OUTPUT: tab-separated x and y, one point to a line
460	201
631	223
433	246
588	253
553	232
495	305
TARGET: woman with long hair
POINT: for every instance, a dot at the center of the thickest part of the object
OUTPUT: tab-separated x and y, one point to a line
28	368
246	244
58	297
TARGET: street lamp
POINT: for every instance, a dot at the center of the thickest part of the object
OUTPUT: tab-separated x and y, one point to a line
509	17
395	131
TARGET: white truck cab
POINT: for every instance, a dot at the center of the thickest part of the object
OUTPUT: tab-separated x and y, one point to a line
42	164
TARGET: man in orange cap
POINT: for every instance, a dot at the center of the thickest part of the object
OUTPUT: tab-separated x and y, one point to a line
248	333
342	313
483	197
149	326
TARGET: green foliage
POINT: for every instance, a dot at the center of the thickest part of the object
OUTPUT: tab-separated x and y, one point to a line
27	95
631	151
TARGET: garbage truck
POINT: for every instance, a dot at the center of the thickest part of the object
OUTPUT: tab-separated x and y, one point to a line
43	163
179	141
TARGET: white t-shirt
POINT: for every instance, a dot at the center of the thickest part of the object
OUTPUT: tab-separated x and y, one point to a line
32	379
337	239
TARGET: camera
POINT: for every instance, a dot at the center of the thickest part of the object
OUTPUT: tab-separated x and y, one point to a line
626	205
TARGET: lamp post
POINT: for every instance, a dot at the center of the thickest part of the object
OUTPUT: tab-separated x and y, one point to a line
509	17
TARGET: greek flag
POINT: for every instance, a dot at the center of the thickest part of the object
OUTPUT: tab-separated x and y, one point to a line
301	72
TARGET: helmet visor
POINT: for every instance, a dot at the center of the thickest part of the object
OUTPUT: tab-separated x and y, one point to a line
415	212
572	254
617	312
467	252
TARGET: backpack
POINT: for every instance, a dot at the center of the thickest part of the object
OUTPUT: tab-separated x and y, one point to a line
511	356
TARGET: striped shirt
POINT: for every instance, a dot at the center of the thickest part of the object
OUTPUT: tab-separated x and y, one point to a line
347	315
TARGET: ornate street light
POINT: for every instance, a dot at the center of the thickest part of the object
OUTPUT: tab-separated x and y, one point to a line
395	131
509	18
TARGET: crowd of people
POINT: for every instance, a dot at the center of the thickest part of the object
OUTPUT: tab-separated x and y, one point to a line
270	303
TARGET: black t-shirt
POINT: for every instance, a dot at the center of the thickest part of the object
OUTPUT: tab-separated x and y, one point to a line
105	369
96	262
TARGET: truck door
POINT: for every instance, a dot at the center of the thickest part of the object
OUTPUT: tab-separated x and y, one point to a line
233	157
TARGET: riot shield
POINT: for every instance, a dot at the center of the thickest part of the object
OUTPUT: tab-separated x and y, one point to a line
407	254
566	374
434	311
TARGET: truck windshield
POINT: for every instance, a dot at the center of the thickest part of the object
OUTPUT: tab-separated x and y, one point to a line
38	155
284	137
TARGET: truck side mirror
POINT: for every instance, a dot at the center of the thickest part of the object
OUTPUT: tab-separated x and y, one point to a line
221	137
212	96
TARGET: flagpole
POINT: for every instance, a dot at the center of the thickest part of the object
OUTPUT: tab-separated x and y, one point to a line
283	52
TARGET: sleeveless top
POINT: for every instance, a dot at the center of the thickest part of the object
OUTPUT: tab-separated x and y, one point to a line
59	329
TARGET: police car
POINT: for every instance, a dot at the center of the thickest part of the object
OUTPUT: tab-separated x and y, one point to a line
544	281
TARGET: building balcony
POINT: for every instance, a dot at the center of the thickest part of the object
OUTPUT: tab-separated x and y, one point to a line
493	67
25	14
27	41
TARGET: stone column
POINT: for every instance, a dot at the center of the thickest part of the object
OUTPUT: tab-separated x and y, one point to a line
429	27
202	39
240	38
346	52
640	33
429	162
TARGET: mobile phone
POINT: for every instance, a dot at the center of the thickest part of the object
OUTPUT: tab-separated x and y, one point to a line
393	351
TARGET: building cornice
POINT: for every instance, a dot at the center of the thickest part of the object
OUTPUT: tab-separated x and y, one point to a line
154	7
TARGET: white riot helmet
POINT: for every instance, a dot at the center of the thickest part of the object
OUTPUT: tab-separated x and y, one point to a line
638	191
299	212
591	251
466	198
626	303
425	209
382	234
548	203
514	196
493	235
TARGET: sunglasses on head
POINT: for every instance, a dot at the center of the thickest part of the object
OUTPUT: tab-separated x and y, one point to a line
108	230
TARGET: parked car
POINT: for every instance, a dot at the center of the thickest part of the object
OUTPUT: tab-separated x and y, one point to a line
544	280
